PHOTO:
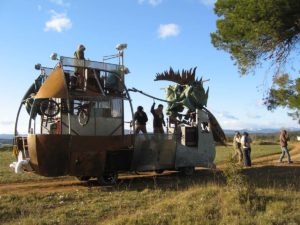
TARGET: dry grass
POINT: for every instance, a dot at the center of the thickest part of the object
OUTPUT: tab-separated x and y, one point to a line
258	195
198	204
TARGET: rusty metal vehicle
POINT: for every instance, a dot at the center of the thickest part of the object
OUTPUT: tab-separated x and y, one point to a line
76	127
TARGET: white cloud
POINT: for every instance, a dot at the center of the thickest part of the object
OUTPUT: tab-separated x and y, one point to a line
253	115
151	2
252	122
208	2
260	103
227	115
58	22
155	2
60	3
6	123
168	30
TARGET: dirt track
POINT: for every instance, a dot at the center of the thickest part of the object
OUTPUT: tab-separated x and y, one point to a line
273	159
70	183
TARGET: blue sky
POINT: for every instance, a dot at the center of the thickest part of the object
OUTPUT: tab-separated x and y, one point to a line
159	34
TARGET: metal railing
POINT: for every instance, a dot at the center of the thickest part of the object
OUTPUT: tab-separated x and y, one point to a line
108	67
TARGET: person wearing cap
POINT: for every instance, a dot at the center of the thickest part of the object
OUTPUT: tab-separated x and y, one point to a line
79	72
158	119
245	142
140	117
283	138
237	147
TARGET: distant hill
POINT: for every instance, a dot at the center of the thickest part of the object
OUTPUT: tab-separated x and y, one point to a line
261	131
6	136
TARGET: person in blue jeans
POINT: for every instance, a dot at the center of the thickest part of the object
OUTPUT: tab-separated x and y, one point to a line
283	138
245	141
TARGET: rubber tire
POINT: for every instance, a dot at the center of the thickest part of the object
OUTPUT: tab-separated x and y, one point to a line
108	179
83	178
187	171
159	171
44	107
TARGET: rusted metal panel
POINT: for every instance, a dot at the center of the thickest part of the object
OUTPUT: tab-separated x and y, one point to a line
57	155
49	154
119	160
31	140
100	143
154	152
87	163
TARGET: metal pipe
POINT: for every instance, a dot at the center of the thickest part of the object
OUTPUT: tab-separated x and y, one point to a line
131	107
30	116
17	118
136	90
98	82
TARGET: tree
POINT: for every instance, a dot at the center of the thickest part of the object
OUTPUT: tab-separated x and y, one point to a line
285	93
254	31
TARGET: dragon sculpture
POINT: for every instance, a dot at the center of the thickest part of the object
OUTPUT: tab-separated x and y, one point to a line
188	92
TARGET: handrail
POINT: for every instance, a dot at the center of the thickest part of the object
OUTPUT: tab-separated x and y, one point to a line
73	62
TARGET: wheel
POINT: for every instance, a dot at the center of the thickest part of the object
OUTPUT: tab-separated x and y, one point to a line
159	171
49	108
108	178
212	166
83	178
187	171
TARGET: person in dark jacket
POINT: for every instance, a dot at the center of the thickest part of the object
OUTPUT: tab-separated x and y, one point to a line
140	117
158	119
283	138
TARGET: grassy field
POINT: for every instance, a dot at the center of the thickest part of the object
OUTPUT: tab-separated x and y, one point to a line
225	152
262	195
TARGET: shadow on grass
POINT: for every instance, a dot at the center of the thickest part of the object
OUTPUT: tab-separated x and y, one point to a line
260	177
167	181
274	176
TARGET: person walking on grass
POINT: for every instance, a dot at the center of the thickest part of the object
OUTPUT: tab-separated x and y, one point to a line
245	141
283	138
237	147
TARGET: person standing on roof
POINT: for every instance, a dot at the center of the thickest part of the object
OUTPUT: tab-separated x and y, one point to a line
79	72
79	53
141	119
158	119
283	138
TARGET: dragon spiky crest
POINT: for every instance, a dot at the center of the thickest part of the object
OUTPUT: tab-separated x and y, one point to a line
185	77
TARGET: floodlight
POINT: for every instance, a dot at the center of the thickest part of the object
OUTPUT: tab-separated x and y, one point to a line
121	47
125	70
53	56
37	66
